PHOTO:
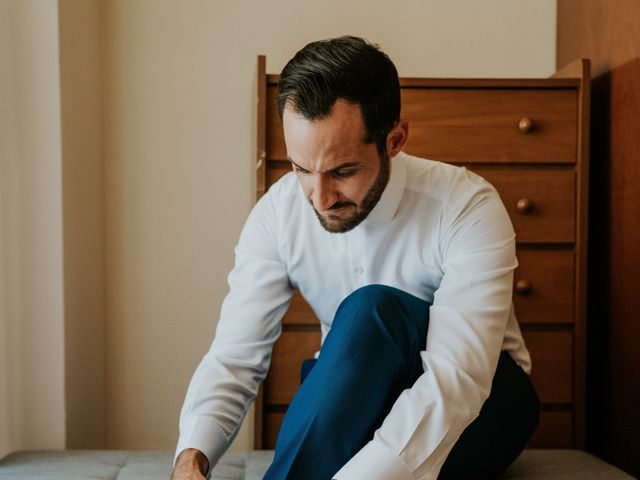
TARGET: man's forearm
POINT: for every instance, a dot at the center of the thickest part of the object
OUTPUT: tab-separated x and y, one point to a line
190	464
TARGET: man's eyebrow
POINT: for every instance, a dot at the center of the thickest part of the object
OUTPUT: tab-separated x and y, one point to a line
342	166
296	165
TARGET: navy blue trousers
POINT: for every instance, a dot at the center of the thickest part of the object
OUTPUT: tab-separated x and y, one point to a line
372	354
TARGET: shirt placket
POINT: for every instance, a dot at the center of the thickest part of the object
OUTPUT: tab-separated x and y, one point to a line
357	259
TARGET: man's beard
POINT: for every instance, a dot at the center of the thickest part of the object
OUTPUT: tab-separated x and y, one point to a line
342	225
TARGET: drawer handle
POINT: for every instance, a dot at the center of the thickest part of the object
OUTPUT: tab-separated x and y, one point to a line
526	125
523	287
524	205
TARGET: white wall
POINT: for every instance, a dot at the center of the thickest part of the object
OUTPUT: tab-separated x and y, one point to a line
32	409
179	106
83	222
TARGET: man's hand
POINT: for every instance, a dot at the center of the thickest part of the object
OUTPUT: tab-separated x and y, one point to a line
191	464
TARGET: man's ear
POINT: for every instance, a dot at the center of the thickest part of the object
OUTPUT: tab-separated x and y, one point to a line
397	138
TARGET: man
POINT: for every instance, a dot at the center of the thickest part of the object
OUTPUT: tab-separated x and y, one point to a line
408	264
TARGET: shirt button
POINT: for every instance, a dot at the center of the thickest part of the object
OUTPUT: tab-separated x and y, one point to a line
359	270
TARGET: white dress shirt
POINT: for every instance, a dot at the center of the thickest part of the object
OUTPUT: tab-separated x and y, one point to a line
440	233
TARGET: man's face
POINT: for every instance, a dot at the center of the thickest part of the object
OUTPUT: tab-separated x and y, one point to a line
342	176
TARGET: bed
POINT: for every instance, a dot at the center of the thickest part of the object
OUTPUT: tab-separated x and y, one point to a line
130	465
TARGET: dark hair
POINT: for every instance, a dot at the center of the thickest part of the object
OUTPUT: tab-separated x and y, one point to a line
349	68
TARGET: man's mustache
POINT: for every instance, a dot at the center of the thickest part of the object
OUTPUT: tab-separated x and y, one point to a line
335	206
339	205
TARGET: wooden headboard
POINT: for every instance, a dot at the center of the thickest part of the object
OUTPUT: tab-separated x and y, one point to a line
529	138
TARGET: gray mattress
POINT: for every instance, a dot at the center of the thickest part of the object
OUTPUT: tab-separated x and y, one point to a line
129	465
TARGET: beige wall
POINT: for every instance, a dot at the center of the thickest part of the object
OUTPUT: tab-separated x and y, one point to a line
121	207
83	222
32	410
179	151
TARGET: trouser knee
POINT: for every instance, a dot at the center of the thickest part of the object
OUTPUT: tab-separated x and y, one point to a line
382	314
379	324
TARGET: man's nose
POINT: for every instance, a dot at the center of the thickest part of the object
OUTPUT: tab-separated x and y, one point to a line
323	195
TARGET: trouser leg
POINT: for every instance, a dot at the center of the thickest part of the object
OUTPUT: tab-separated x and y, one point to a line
370	355
504	426
368	358
502	429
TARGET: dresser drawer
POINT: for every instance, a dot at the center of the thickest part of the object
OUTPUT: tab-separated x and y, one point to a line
543	286
552	372
289	351
464	125
555	430
475	125
551	354
552	365
300	313
540	202
542	292
271	427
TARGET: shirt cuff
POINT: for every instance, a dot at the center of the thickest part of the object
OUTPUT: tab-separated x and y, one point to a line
374	462
204	434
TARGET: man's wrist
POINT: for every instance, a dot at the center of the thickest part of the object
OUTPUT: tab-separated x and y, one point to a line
194	457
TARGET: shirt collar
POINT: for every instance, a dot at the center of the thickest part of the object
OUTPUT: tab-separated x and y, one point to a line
387	206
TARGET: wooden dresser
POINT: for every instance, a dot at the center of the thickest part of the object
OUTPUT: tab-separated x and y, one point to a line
529	138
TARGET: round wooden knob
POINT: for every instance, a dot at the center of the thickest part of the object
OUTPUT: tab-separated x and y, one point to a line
526	125
524	205
523	287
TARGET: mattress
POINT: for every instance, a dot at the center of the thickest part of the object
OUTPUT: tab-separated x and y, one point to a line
143	465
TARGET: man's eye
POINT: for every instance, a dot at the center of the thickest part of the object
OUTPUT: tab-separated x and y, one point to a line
343	173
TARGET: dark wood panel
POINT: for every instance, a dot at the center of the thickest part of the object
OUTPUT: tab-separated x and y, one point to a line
544	286
615	262
552	359
607	33
624	264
